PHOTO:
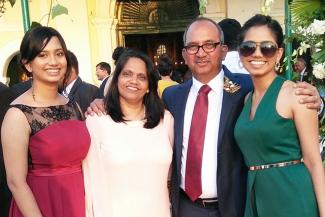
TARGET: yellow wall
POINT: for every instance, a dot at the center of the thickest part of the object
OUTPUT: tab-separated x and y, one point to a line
74	28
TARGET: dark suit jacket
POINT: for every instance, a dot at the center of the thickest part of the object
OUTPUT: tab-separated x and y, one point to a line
21	88
102	88
232	172
83	93
6	96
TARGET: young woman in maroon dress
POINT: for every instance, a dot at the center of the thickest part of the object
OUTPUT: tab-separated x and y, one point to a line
43	137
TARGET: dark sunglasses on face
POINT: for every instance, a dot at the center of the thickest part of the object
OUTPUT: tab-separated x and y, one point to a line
268	48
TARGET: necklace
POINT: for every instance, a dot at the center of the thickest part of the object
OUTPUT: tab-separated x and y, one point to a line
33	93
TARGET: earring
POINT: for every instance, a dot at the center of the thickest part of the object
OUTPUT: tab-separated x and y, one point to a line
240	64
277	67
147	91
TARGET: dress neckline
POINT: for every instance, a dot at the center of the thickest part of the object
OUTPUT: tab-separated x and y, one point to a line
261	102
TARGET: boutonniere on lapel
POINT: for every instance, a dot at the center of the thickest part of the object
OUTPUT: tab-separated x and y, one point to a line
230	86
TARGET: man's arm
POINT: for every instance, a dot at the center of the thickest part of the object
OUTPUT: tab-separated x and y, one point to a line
96	107
311	97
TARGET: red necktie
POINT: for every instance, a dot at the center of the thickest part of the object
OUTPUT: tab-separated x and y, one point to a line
193	186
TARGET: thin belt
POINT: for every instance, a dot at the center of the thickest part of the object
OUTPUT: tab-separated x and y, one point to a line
55	171
204	202
281	164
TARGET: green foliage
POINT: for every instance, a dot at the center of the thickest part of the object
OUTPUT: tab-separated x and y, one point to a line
2	5
308	19
304	11
12	2
58	10
202	6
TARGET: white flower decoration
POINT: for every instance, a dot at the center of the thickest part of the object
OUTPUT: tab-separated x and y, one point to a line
317	27
319	70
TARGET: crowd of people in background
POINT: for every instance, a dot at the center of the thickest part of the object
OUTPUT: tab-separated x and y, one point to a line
159	142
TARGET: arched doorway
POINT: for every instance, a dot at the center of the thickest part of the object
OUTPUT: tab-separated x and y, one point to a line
155	27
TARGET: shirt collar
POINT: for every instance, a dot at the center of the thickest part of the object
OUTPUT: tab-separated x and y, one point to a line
215	83
69	87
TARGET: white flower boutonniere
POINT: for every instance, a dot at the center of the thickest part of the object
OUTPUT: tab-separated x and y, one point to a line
230	86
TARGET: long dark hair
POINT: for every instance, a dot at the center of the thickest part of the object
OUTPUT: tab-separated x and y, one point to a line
34	41
153	105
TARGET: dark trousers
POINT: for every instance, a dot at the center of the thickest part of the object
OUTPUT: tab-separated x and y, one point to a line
5	200
188	208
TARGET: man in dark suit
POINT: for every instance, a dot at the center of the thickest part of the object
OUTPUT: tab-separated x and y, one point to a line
103	72
300	70
77	90
223	176
6	96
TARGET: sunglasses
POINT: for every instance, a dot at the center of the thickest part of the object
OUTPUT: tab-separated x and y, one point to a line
267	48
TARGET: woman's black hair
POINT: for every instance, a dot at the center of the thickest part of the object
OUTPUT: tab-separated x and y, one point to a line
165	65
33	43
154	107
263	20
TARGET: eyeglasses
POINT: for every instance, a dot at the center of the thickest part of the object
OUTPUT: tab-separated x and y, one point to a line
207	47
267	48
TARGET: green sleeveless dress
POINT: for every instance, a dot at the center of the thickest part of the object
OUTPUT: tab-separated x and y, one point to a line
269	138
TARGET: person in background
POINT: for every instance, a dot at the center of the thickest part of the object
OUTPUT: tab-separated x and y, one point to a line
286	175
165	69
131	146
118	51
103	72
6	97
77	90
300	70
43	137
21	87
231	30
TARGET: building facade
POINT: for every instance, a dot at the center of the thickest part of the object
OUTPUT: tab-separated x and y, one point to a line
93	28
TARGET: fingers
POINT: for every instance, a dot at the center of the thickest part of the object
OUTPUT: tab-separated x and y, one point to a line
312	102
304	88
89	111
96	107
309	93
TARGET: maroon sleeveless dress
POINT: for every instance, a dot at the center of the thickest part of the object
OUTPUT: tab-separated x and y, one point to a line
58	143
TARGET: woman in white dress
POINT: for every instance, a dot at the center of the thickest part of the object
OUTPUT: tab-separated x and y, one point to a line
126	170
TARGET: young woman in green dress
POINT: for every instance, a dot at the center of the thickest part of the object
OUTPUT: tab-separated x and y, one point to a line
277	135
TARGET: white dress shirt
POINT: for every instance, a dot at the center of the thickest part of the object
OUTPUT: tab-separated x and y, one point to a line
68	88
232	62
209	158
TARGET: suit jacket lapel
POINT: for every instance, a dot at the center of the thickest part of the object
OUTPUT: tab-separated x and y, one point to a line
182	98
74	88
228	101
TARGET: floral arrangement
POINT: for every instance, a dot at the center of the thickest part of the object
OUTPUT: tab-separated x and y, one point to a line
313	37
309	29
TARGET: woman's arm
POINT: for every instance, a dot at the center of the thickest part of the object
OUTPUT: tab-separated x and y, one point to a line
306	121
15	136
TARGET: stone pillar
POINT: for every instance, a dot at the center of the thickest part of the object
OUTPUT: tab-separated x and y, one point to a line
106	37
216	9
